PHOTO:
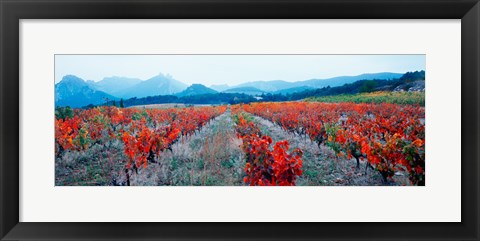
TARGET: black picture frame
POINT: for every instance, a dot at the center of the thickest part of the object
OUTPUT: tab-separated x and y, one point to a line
12	11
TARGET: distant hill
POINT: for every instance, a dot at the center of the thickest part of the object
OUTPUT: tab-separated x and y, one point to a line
410	81
341	80
75	92
158	85
220	88
196	89
293	90
276	86
245	90
115	85
269	86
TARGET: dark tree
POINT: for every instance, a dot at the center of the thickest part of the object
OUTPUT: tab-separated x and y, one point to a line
63	112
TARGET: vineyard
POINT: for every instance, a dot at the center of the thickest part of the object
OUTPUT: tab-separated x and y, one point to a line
145	134
411	98
278	143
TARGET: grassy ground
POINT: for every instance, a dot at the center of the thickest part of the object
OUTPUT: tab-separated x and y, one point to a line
96	166
376	97
210	157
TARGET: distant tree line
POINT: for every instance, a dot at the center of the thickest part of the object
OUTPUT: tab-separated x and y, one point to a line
413	76
213	99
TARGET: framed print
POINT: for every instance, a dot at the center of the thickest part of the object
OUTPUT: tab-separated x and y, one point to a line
167	120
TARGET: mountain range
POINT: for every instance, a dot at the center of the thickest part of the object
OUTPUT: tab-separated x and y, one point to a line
157	85
76	92
114	85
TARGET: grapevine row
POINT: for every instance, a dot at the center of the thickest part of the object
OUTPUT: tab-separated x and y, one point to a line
265	166
390	137
144	133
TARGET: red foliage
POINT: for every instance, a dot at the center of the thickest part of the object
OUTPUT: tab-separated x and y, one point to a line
144	133
266	167
390	137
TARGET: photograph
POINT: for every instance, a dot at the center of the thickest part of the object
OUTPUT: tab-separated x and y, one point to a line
239	119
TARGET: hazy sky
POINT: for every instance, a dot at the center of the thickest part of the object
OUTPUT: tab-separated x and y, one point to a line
232	69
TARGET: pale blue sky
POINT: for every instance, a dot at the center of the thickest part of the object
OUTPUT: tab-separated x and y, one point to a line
232	69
